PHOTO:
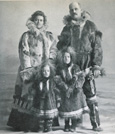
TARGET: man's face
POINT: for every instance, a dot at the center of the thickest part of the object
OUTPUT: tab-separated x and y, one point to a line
39	21
46	71
67	58
75	10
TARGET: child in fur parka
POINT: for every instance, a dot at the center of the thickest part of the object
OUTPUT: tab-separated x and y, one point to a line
69	81
45	96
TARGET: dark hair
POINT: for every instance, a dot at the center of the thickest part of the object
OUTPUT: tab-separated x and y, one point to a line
71	51
41	67
38	13
61	53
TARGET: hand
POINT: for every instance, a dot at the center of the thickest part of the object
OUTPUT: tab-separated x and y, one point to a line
75	78
58	104
68	93
30	98
96	73
77	90
27	74
57	79
90	75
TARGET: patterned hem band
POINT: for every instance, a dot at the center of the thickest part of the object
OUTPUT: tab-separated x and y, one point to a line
76	113
34	111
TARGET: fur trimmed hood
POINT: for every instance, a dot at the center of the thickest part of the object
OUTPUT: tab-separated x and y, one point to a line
32	27
60	55
47	62
67	20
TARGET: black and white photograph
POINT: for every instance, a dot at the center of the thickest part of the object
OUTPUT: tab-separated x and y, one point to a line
57	66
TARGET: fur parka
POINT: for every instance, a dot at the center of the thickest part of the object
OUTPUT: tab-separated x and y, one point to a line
72	98
35	46
33	49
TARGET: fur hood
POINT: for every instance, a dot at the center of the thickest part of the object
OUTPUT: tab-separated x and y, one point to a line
33	29
39	69
67	20
60	56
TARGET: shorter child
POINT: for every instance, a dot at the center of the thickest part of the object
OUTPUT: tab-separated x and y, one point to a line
45	96
69	81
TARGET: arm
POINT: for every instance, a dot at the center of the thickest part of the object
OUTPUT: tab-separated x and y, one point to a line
60	84
57	95
80	81
24	53
78	78
53	48
25	62
64	38
50	49
97	52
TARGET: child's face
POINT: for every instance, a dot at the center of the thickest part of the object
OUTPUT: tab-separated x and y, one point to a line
46	71
67	58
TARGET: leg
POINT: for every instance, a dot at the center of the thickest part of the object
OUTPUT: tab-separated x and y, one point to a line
74	124
56	121
79	121
41	125
67	125
94	116
89	88
48	125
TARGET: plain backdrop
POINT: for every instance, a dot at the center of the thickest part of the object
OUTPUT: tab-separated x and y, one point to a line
14	14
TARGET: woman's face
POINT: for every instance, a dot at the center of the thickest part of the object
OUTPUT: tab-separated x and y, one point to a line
67	58
46	71
39	21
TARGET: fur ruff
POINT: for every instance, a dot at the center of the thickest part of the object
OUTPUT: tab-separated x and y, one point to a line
32	27
67	20
40	69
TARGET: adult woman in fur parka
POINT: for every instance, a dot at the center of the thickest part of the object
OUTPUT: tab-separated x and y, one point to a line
35	45
82	34
69	81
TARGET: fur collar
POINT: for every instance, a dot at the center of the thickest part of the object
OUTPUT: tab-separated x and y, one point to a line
67	20
32	27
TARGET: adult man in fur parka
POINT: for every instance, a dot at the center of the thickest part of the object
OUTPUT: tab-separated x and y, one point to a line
82	34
